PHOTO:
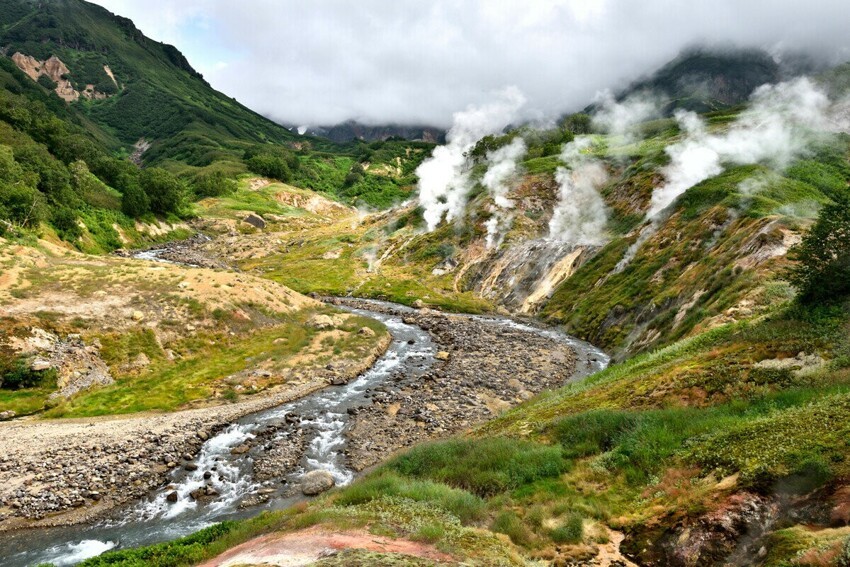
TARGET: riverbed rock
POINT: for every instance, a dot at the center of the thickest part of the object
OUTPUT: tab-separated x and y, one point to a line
316	482
172	497
442	355
240	449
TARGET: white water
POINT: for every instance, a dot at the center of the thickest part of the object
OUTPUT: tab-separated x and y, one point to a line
73	553
324	420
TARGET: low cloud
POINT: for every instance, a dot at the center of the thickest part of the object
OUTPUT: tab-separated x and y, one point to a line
381	61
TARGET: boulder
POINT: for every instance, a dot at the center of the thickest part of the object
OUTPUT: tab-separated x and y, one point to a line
39	365
255	220
138	316
172	497
141	361
418	304
316	482
320	322
240	450
366	332
442	355
7	415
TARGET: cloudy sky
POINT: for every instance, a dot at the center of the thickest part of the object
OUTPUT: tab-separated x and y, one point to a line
320	62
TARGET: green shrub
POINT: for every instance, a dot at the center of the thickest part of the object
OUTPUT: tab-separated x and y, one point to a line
64	221
466	507
213	184
17	374
47	82
509	524
594	432
166	192
483	467
134	202
822	272
22	205
571	530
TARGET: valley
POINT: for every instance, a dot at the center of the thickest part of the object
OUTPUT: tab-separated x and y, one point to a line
607	330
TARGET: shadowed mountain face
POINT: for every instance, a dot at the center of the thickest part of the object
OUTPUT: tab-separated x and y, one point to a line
352	130
704	80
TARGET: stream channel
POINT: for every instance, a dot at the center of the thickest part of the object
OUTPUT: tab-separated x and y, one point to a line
322	416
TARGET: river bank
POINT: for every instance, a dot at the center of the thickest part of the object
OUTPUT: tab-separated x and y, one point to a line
73	471
485	366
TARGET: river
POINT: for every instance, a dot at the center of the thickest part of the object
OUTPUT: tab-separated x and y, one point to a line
322	417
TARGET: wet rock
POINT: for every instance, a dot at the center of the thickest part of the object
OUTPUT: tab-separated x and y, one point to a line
172	497
316	482
240	449
191	467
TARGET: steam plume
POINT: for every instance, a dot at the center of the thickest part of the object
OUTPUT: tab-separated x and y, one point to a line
620	118
501	175
444	179
781	123
580	215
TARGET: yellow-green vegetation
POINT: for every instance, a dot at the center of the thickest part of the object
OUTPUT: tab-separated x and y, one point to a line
319	246
203	366
171	337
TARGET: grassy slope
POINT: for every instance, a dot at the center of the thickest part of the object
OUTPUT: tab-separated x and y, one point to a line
203	332
161	97
664	437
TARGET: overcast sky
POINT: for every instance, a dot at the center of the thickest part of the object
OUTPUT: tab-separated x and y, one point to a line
319	62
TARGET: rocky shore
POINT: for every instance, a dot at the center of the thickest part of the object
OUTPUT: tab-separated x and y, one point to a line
484	368
189	252
64	472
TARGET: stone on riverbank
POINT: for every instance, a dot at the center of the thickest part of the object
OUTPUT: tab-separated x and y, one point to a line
316	482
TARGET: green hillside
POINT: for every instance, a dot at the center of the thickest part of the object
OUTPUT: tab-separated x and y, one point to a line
156	95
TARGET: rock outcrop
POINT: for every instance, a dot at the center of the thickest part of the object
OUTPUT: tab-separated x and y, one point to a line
58	72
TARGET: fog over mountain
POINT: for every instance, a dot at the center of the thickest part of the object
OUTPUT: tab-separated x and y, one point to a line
324	62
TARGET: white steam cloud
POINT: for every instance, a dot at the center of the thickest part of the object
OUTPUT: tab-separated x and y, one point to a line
580	216
501	175
620	118
776	129
444	178
781	123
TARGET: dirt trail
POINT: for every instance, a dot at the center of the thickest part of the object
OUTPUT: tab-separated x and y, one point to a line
308	546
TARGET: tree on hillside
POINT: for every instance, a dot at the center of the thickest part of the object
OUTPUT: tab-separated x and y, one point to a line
823	257
167	194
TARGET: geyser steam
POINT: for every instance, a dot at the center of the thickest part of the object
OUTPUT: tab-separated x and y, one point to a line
580	215
781	123
501	175
777	128
444	178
